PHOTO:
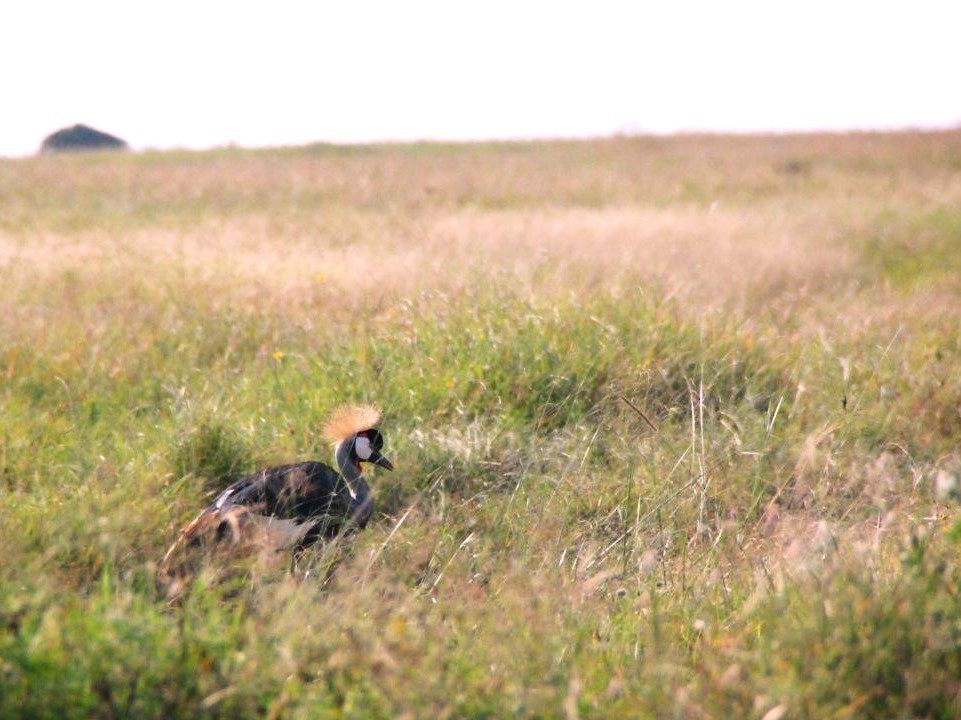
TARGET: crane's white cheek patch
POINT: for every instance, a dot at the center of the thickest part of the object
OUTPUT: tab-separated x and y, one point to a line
362	448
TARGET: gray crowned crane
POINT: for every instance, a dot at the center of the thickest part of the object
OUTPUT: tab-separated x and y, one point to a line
292	506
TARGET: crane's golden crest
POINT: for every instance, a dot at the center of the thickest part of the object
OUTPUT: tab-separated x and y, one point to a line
349	420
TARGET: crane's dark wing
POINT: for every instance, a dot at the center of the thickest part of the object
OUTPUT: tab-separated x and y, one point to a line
294	492
293	504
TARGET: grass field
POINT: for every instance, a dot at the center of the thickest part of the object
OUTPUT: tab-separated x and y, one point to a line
785	544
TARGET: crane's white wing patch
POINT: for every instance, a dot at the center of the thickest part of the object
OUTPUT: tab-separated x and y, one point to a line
223	498
281	533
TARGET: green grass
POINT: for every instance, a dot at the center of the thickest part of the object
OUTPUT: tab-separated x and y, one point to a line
775	545
917	249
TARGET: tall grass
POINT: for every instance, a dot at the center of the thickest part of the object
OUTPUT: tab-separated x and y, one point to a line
779	309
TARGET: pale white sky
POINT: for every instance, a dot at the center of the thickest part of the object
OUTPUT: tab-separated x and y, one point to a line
200	73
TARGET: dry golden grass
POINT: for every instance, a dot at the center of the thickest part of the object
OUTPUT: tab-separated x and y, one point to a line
712	221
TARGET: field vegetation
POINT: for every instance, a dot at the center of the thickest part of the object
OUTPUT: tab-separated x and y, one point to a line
675	424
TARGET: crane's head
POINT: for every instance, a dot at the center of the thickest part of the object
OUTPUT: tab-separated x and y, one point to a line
353	431
367	448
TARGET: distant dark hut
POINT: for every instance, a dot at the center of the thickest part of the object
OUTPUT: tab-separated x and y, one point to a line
80	138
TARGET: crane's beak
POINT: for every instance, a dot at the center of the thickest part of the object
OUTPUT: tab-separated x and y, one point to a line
377	459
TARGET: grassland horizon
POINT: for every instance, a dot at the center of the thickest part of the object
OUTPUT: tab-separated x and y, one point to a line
784	309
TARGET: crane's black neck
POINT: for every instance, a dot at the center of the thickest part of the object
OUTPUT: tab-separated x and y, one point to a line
351	472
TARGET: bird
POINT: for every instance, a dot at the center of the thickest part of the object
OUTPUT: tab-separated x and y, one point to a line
292	506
